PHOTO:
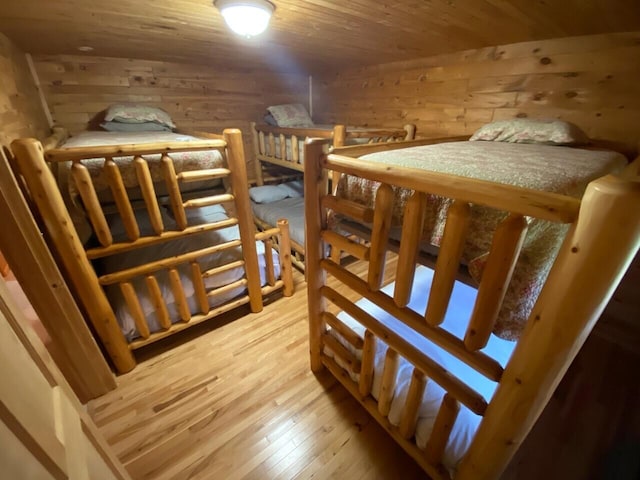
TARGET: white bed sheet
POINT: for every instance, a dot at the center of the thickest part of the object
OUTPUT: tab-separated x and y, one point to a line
456	320
291	208
175	247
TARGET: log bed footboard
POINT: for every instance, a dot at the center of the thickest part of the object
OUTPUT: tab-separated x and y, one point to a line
603	237
76	258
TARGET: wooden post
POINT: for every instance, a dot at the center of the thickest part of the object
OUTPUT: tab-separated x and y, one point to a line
593	258
339	140
314	189
286	271
119	192
412	224
149	194
410	128
380	235
257	165
448	263
47	197
239	184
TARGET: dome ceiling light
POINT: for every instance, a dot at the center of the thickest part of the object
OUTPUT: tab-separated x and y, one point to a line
246	17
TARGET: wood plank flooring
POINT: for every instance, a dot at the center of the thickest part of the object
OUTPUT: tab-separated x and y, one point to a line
238	401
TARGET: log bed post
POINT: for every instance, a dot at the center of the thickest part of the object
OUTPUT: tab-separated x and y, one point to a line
44	191
238	167
314	188
581	282
257	164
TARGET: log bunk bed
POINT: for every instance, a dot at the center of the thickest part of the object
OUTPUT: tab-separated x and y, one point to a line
170	256
419	354
283	148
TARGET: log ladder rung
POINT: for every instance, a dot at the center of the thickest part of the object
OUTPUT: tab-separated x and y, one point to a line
345	244
206	174
348	208
207	201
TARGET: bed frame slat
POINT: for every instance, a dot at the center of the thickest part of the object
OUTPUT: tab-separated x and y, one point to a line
158	301
465	394
227	288
223	268
119	192
208	201
131	298
409	417
348	208
442	427
295	149
368	357
178	295
198	287
345	332
205	174
341	352
448	263
82	177
449	342
388	384
380	235
340	243
175	197
268	257
149	194
505	248
286	270
283	147
412	224
169	262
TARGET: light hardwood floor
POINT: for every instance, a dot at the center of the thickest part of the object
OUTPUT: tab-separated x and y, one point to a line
238	401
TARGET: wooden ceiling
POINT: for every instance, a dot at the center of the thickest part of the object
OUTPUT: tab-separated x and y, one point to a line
308	36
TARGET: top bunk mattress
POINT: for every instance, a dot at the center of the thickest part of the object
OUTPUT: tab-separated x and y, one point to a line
556	169
183	161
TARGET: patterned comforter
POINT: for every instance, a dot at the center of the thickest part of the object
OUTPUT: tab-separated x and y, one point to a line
562	170
183	161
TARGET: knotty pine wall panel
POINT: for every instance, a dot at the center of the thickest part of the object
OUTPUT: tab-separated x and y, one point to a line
21	112
591	81
197	97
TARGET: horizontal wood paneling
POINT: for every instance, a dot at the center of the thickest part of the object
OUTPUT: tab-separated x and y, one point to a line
21	113
591	81
196	96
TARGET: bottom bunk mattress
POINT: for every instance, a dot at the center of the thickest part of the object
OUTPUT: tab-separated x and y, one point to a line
458	314
170	249
270	203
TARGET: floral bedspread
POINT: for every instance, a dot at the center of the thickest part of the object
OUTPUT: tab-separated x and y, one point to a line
183	161
562	170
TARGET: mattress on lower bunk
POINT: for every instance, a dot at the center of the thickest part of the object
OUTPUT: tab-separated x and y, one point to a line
290	208
169	249
455	322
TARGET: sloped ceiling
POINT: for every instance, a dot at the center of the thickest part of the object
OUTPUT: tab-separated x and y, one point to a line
308	36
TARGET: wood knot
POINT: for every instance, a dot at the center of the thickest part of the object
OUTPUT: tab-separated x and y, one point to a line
518	381
545	60
574	249
571	94
521	115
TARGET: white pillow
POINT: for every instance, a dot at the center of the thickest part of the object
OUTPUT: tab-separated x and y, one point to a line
529	130
291	115
267	194
292	189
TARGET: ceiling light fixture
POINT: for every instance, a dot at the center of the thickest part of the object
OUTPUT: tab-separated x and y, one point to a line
246	17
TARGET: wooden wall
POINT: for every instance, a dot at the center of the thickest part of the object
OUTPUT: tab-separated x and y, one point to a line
196	96
591	81
21	112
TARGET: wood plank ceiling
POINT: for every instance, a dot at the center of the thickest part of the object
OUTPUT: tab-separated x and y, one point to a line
307	36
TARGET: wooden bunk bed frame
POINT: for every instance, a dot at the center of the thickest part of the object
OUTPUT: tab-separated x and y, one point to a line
267	153
603	237
33	162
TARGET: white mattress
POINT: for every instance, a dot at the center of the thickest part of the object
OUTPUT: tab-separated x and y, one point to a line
290	208
175	247
455	322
